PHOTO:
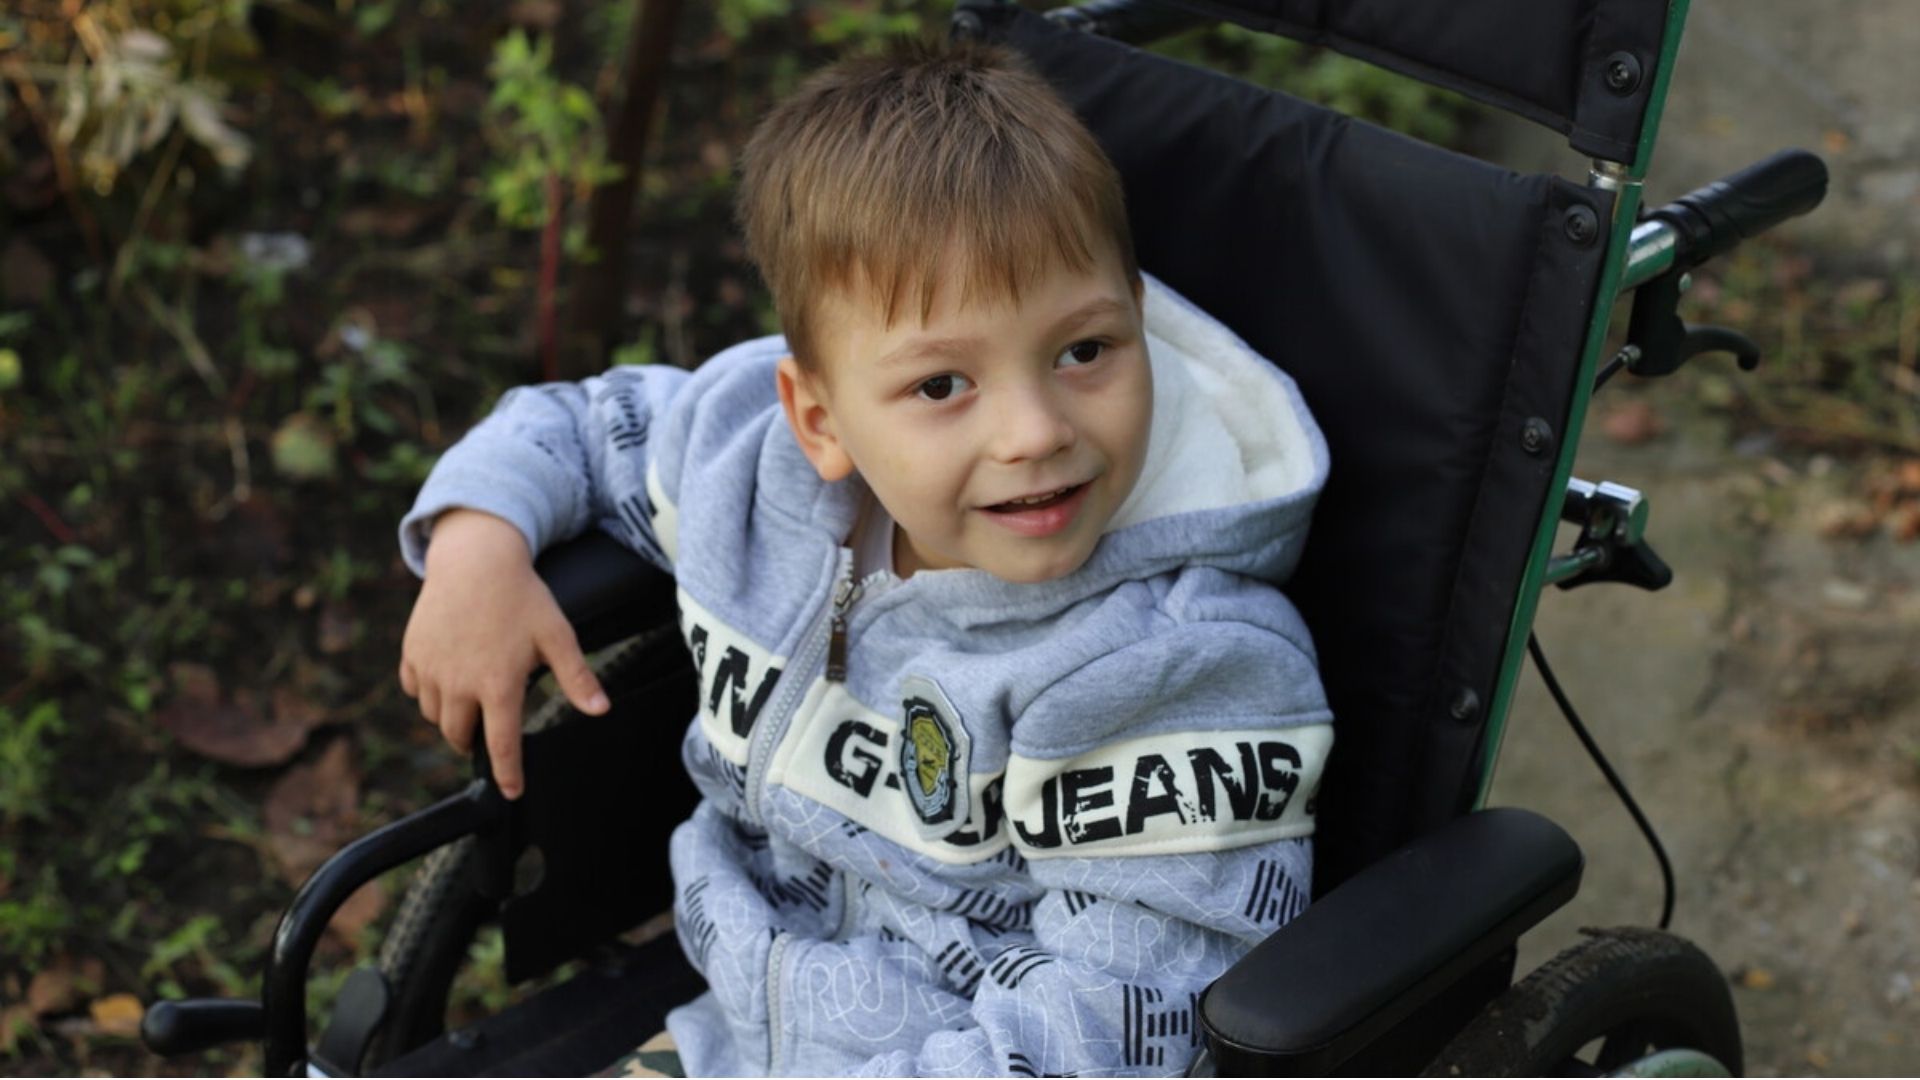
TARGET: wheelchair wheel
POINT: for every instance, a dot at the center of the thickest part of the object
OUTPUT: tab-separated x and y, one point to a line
442	914
1616	998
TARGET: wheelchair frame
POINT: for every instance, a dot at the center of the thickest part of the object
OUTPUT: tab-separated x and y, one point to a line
1536	867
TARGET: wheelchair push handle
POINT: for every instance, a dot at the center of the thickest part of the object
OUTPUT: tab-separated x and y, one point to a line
196	1024
1714	219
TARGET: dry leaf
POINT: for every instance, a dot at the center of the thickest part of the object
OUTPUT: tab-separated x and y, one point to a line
1845	520
313	810
52	990
358	912
1910	477
233	731
1906	524
15	1020
1755	978
1632	422
337	626
26	275
118	1014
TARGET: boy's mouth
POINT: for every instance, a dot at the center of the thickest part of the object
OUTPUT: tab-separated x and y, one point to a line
1036	502
1042	514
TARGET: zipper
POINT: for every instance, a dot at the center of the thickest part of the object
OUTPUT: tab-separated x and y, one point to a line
793	686
844	594
776	956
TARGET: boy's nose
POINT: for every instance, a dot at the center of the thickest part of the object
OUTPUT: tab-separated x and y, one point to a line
1030	427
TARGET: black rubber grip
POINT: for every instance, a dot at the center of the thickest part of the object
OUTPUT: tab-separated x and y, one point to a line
188	1027
1713	219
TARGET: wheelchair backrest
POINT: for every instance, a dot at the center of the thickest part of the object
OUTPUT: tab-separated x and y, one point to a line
1433	309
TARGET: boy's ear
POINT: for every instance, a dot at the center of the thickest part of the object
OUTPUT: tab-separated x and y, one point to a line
803	397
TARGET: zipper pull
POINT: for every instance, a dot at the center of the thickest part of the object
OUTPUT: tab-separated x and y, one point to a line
844	594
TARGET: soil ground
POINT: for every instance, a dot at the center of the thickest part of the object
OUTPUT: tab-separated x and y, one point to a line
1763	710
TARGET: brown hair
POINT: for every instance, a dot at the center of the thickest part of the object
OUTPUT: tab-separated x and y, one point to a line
879	166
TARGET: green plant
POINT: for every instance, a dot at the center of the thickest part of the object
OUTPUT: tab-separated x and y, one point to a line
27	761
549	139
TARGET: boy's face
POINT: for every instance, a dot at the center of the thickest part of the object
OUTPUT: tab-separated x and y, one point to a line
1002	435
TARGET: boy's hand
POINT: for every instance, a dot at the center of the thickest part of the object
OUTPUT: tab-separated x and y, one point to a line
484	620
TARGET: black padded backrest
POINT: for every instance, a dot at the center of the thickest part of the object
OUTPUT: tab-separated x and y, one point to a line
1582	67
1430	306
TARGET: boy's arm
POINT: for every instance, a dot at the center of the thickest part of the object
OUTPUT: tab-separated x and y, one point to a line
548	461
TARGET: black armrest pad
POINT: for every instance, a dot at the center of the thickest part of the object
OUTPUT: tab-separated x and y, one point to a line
607	590
1386	941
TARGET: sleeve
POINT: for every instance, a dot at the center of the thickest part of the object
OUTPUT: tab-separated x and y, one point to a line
1162	796
554	458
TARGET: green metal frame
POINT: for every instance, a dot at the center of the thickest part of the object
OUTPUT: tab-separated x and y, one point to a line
1626	266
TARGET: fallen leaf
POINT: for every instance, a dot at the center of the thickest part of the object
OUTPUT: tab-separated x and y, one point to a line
118	1014
1632	422
337	627
1910	477
1756	978
231	731
539	14
15	1020
1906	524
358	912
26	275
1846	520
312	811
55	988
388	222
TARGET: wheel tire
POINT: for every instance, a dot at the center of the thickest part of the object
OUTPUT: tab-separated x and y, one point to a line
1634	991
442	912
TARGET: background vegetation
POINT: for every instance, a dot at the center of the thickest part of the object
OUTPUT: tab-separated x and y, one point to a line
260	261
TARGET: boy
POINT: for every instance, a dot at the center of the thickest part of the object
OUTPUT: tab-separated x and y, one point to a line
1007	742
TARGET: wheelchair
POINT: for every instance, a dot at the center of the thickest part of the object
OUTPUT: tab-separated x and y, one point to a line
1447	321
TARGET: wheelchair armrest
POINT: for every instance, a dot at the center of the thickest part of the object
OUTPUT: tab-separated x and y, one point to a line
607	591
1386	942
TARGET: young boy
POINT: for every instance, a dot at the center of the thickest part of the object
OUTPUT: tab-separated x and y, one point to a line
1008	743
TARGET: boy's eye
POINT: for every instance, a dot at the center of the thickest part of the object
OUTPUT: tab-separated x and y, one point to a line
1082	352
942	387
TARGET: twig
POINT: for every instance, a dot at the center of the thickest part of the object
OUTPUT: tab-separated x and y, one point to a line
550	280
60	529
202	363
62	167
123	260
597	296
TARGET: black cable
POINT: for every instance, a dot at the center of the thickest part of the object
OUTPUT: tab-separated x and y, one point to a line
1606	769
1609	370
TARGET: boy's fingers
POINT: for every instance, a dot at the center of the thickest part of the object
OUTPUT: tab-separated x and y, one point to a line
503	747
457	718
406	679
430	704
561	650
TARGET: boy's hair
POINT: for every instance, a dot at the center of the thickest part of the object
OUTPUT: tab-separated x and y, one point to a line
879	166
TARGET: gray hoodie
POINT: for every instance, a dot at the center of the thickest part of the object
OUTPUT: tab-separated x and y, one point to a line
1032	821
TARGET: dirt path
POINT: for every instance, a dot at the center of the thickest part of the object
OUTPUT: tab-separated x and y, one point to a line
1765	709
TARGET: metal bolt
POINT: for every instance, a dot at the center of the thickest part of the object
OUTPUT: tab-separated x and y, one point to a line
1536	436
1466	704
1581	225
1623	73
966	26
